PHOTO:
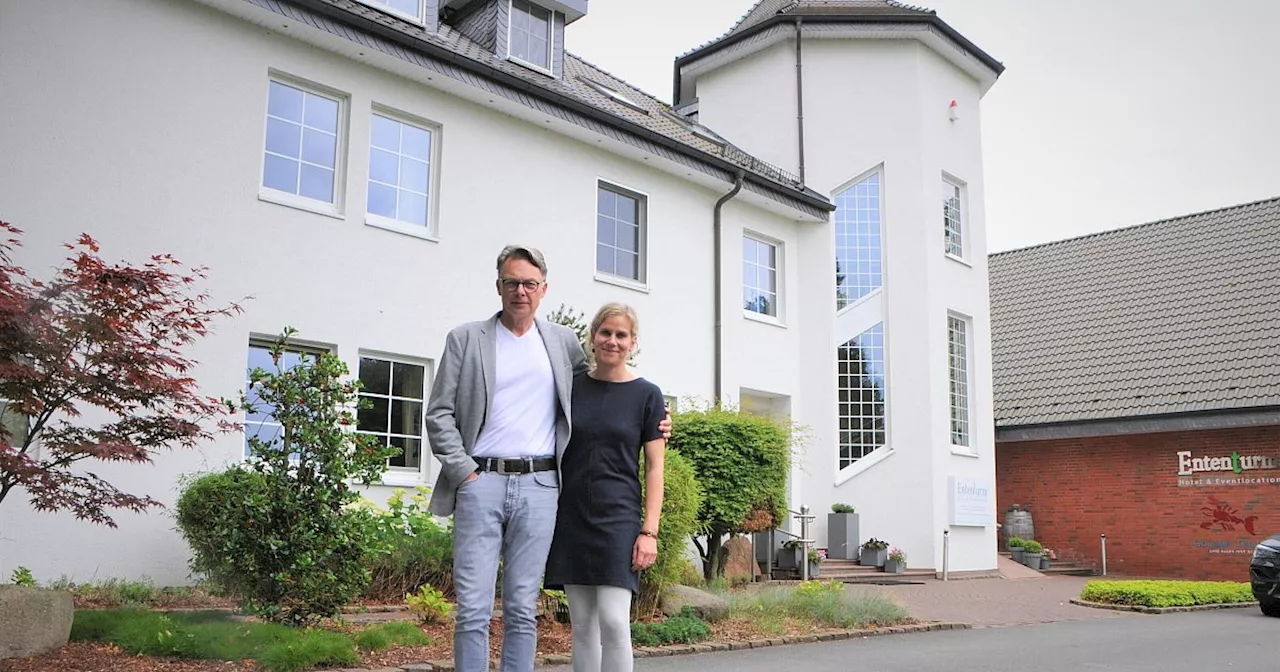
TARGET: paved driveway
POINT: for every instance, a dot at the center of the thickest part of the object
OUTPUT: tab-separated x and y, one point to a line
997	602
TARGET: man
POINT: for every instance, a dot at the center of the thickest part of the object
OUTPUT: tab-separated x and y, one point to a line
498	420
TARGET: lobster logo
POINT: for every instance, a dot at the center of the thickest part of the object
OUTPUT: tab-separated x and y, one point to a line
1224	517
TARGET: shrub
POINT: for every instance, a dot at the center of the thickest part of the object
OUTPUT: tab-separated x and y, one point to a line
681	498
897	554
1031	547
684	628
23	577
409	548
278	531
1162	594
840	507
741	461
429	605
1016	542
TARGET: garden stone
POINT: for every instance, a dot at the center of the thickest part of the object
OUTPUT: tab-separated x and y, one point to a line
33	620
741	565
705	605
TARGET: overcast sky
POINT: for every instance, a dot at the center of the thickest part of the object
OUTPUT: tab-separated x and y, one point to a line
1109	113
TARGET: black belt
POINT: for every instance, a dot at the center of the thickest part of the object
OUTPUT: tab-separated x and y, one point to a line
516	465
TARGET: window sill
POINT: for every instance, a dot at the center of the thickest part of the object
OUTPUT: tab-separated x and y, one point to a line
763	319
532	66
403	228
961	451
876	457
622	282
403	479
300	203
958	260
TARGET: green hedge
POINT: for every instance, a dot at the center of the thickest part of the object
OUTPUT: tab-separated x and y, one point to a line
1162	594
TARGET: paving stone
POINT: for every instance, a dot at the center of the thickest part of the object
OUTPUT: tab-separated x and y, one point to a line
417	667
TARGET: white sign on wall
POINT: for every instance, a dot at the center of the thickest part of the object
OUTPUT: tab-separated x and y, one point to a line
972	502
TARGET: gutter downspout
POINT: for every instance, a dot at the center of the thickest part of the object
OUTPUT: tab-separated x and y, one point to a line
800	93
717	358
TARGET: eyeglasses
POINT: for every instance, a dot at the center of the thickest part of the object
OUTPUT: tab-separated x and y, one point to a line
529	285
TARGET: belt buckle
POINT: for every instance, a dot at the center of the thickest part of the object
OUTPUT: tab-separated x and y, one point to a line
502	467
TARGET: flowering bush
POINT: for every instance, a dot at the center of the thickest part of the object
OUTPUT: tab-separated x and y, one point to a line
897	555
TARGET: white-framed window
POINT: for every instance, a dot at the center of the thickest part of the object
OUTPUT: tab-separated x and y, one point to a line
260	423
302	149
620	232
953	218
862	395
401	172
530	37
407	9
859	259
395	388
761	260
958	378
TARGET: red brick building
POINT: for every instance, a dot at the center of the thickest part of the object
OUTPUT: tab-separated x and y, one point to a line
1137	392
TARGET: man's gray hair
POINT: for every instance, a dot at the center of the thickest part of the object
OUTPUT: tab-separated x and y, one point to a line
529	254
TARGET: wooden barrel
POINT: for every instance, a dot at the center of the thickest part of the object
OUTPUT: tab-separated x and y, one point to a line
1018	523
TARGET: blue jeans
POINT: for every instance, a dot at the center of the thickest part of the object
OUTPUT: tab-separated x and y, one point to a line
512	518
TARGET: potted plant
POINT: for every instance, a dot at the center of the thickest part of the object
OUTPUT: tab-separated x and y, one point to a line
1031	554
874	553
896	563
842	532
815	562
1046	556
1016	548
789	556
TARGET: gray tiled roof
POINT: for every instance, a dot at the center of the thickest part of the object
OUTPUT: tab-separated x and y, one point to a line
765	9
645	111
1175	316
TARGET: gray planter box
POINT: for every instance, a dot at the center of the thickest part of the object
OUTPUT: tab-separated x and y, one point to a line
1016	554
895	566
1044	562
873	558
842	536
1031	560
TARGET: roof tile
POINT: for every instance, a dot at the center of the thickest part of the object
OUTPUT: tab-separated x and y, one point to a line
1168	317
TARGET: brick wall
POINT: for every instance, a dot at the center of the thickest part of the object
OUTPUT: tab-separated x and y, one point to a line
1128	487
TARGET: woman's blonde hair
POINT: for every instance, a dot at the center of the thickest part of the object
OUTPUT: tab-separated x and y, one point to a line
616	309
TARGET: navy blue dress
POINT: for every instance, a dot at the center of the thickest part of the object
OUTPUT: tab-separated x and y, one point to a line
600	507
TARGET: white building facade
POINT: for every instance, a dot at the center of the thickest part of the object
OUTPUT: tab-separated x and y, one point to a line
354	166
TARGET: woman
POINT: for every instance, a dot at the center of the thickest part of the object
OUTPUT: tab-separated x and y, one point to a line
600	543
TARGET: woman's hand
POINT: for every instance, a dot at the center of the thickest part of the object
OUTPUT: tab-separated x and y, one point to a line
644	553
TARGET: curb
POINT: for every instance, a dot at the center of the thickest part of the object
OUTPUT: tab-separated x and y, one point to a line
1162	610
705	647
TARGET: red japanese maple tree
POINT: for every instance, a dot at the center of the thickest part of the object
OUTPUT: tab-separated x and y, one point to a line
92	369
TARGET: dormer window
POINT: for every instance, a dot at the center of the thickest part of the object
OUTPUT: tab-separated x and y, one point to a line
530	39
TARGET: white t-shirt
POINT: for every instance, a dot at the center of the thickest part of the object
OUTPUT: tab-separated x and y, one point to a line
522	420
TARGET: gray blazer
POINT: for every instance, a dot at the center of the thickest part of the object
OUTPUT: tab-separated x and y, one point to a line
463	391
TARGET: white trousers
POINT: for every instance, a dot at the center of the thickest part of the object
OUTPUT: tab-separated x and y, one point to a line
601	621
